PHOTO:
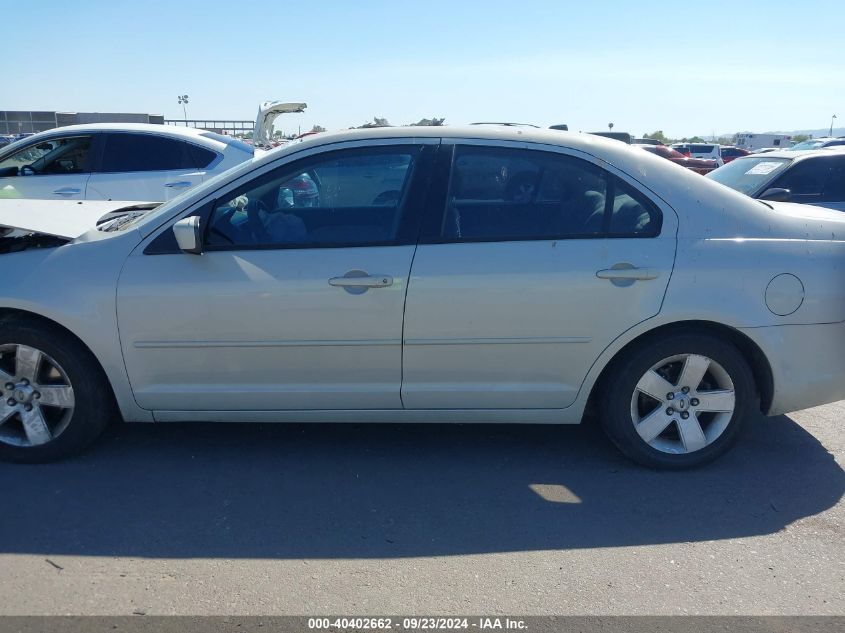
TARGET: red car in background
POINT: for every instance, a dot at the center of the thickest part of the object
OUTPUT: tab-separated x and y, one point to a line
698	165
730	152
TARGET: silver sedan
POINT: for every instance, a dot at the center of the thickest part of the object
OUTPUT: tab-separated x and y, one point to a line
424	275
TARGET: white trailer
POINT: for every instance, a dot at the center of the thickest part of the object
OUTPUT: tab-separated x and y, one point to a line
752	142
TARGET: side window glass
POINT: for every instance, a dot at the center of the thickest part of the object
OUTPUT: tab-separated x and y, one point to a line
806	179
632	214
512	194
147	152
200	157
834	190
348	198
55	156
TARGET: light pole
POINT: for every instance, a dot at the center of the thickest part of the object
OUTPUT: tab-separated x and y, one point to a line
831	125
183	101
610	126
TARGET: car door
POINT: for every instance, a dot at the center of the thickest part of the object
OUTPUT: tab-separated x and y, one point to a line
56	168
148	167
530	263
296	303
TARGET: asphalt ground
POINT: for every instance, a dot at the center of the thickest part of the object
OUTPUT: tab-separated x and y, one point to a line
203	519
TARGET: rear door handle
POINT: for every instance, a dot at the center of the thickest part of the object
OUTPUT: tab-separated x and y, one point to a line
179	185
633	274
368	281
67	191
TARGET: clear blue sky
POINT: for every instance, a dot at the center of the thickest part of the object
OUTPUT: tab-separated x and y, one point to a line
683	67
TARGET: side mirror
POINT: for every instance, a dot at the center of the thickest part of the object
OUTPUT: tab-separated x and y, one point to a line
189	235
776	194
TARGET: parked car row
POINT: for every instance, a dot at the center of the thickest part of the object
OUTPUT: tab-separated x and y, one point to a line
698	165
478	274
701	158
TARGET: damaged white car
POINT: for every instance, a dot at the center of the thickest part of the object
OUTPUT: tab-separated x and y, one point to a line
425	275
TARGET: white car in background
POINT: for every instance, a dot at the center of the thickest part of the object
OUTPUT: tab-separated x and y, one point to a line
115	161
807	177
430	274
711	151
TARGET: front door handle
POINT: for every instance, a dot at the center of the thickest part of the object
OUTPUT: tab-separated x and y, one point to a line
357	282
67	191
628	274
370	281
179	185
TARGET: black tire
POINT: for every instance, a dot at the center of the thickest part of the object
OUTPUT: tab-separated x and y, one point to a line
618	387
94	405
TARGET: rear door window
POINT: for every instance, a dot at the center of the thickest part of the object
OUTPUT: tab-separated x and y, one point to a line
127	152
507	194
701	149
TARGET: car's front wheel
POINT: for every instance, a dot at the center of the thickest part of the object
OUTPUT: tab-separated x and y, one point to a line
54	399
677	402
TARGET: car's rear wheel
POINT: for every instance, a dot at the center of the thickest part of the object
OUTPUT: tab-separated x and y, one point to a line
678	402
54	399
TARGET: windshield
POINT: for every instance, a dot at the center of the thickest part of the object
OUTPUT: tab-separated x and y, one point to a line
747	175
811	144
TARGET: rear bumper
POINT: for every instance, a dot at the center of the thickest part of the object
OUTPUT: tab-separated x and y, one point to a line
807	362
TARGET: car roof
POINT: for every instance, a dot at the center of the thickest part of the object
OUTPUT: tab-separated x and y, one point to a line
148	128
798	154
154	128
185	133
575	140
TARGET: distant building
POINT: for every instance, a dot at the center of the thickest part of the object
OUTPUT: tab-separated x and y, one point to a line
28	122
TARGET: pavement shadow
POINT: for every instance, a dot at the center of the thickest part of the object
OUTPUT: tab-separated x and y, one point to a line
363	491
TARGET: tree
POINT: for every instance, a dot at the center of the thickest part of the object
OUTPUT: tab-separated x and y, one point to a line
658	136
429	122
800	138
317	128
376	122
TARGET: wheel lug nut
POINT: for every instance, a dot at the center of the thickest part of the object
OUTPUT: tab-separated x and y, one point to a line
28	407
694	402
684	414
11	402
10	385
685	389
670	411
24	382
36	395
670	396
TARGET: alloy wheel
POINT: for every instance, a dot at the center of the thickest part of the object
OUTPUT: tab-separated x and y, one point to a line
36	397
683	403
